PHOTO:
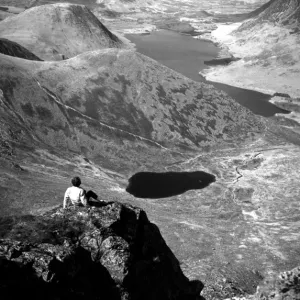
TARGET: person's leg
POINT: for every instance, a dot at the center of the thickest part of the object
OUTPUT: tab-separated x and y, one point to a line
91	194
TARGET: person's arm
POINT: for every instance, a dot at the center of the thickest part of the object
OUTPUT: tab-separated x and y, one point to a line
83	198
66	198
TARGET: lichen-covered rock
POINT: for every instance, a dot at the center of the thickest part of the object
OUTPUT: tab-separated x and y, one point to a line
108	252
286	285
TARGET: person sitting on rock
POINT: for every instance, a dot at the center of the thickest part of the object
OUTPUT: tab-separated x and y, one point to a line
77	195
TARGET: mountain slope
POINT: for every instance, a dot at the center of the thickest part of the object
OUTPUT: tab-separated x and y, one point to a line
13	49
127	91
259	10
58	31
281	12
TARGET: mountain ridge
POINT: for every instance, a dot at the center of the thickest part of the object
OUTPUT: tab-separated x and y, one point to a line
281	12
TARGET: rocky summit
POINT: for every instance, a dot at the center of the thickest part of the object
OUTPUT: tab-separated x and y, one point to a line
58	31
109	252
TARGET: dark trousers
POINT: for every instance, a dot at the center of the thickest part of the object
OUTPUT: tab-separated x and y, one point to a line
91	194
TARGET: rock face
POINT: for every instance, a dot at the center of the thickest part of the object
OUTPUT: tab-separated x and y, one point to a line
13	49
58	31
108	252
284	285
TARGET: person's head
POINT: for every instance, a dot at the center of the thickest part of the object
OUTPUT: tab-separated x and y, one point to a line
76	181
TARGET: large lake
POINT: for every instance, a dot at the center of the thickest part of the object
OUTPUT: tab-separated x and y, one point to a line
186	55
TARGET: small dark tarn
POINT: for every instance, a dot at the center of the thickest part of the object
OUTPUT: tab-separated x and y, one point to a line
162	185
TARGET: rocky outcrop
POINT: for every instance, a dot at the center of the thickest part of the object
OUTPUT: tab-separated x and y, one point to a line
13	49
108	252
285	285
58	31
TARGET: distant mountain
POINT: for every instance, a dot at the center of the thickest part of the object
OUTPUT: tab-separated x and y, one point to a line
19	3
256	12
14	49
58	31
280	12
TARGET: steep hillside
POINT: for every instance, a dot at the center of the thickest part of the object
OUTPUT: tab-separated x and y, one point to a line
120	93
58	31
256	12
279	12
13	49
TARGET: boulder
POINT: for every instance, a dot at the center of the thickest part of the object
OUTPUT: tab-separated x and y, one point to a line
285	285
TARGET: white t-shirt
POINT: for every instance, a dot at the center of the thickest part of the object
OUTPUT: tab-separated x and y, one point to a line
76	195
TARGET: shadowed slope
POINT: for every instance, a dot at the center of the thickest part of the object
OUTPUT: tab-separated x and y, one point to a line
13	49
58	31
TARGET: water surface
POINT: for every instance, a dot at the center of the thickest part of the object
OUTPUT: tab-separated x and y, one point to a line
186	55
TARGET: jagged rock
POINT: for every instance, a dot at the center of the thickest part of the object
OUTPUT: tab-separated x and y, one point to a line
284	286
108	252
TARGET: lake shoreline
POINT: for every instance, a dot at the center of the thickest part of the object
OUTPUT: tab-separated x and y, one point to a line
166	47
